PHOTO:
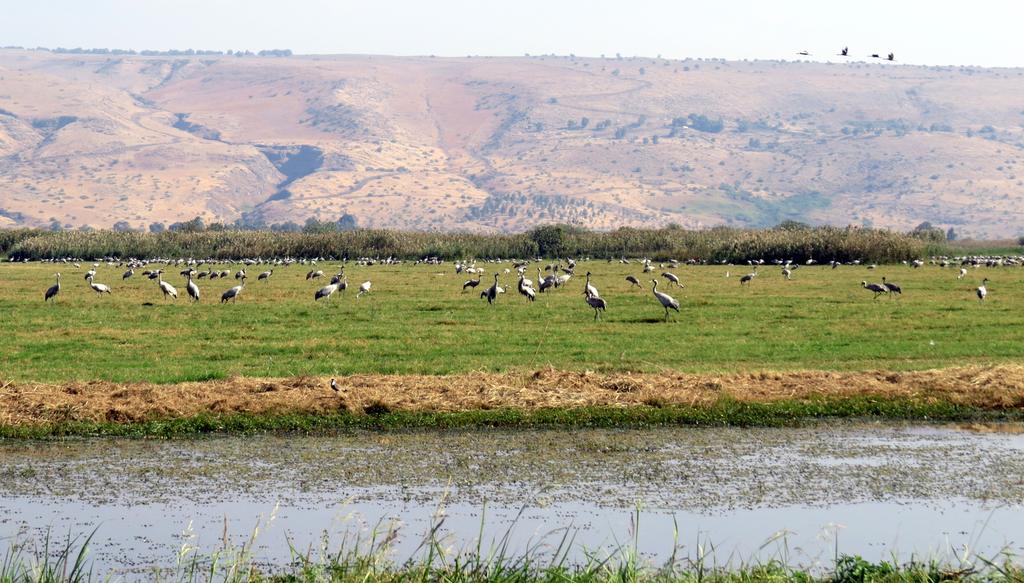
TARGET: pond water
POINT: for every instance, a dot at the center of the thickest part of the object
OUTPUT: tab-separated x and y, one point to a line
884	490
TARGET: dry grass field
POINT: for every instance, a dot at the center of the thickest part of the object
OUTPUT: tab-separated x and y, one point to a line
489	144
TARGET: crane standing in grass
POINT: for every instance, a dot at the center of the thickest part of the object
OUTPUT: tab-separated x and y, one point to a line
99	287
325	292
878	289
265	276
492	292
589	290
192	289
894	288
982	290
633	281
748	277
666	300
165	287
526	290
52	291
232	294
364	288
672	278
599	305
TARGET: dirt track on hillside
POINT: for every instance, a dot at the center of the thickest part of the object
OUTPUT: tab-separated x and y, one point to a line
998	387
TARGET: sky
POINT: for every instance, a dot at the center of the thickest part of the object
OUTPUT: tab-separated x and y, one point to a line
933	32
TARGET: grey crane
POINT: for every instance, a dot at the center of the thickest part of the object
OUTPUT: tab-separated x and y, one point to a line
748	277
265	276
53	290
893	288
672	278
192	289
325	292
99	287
165	287
879	289
316	274
633	281
982	290
128	274
666	300
492	292
526	290
544	282
334	386
471	283
599	305
232	294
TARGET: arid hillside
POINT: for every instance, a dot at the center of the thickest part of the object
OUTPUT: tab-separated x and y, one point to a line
507	143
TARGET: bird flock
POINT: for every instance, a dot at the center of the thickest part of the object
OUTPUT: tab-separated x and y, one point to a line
551	276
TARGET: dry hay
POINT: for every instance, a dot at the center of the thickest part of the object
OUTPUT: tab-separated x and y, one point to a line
995	387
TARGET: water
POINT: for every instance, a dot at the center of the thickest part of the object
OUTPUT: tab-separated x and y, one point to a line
882	489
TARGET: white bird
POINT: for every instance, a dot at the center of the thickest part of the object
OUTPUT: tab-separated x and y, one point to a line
192	289
99	287
167	288
53	290
666	300
963	273
982	291
364	288
526	290
589	290
232	294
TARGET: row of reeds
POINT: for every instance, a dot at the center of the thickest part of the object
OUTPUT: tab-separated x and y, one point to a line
369	558
715	245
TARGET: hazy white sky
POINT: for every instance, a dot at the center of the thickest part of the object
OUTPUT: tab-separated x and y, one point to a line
977	32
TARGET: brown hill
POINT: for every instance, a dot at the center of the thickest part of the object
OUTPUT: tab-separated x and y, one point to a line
507	143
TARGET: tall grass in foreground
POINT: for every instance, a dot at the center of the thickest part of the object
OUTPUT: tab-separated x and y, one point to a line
370	558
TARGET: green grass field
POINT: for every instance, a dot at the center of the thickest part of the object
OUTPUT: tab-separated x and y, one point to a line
418	320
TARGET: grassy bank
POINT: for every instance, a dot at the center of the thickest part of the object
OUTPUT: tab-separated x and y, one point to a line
418	320
544	397
724	412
